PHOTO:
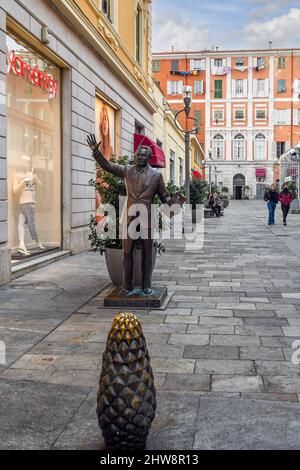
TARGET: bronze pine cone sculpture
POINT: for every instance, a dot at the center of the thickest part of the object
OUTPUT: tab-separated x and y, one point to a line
126	399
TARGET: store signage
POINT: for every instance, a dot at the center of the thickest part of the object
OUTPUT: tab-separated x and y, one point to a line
19	67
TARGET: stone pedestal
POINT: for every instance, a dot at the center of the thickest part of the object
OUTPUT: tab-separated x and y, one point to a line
114	299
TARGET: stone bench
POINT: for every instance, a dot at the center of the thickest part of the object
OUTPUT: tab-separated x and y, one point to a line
208	212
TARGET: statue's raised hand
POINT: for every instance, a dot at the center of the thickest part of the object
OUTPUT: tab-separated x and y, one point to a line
91	140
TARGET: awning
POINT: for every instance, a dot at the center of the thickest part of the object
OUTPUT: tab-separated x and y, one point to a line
261	172
158	156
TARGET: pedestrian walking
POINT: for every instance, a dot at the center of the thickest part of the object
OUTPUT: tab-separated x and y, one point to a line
217	204
285	197
271	197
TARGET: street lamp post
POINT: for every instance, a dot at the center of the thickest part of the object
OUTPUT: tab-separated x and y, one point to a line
187	101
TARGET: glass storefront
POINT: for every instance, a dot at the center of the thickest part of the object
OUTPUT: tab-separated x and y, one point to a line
34	152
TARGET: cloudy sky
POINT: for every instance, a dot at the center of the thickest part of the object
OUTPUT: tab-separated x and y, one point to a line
229	24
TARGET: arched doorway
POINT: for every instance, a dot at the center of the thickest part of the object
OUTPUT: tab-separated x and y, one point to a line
238	186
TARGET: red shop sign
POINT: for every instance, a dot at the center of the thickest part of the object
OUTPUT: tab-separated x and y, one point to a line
19	67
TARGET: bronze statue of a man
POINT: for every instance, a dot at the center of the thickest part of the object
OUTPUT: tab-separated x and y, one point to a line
142	184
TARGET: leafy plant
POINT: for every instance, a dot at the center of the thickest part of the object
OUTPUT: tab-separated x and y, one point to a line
225	189
198	190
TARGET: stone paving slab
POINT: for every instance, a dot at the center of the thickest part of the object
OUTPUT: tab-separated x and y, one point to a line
36	413
247	425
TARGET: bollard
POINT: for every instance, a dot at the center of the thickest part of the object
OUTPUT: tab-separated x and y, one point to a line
126	399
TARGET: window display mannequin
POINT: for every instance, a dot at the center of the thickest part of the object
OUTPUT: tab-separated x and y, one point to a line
24	188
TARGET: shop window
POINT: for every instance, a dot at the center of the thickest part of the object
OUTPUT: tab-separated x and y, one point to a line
33	152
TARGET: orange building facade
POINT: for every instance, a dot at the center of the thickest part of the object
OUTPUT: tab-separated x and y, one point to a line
248	107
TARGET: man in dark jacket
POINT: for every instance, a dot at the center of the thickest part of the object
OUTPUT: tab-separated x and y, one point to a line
285	197
272	198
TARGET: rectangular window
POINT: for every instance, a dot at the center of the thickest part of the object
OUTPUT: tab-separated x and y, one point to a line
260	62
239	114
261	87
107	8
239	62
281	86
218	89
33	152
281	62
198	84
156	65
138	35
280	148
218	115
175	65
260	114
198	116
239	87
175	87
180	172
139	128
197	64
282	116
172	165
218	62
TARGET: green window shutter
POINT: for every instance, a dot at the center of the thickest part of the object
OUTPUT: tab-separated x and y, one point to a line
218	89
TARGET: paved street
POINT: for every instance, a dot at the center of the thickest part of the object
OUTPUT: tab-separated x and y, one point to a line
221	349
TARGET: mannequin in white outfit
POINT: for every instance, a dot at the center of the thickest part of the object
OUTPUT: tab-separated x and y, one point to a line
24	187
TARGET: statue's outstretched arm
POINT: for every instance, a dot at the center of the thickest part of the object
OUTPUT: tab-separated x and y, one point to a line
103	162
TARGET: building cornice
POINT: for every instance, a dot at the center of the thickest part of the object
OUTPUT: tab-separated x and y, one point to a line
106	45
220	53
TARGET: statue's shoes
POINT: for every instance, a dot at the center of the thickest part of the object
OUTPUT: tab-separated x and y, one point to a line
148	291
23	252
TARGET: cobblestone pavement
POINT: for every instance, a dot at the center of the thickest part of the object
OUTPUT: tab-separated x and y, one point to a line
221	349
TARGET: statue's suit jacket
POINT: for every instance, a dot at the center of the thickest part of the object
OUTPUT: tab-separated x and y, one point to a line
141	189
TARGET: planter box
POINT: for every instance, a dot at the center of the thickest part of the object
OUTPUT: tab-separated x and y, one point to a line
114	263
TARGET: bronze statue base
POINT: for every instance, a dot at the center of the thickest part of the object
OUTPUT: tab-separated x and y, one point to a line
136	299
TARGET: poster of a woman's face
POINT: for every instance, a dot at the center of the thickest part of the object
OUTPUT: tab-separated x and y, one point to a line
105	127
105	132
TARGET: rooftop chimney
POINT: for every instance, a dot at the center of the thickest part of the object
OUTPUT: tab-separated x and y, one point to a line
172	48
217	48
270	44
